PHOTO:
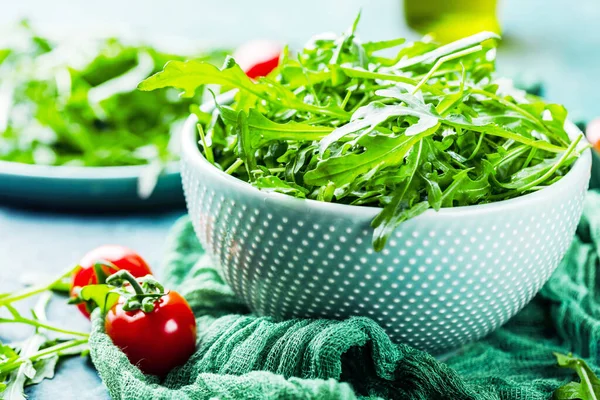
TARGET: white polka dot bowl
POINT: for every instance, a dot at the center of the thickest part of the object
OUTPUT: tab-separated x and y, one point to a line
444	278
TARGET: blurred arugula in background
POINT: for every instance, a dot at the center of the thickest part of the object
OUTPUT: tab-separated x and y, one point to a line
66	104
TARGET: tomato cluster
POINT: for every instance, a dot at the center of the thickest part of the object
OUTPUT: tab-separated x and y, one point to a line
156	340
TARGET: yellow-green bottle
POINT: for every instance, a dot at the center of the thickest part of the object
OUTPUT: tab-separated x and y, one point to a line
449	20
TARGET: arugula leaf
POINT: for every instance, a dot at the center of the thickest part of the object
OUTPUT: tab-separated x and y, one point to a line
587	389
402	207
16	382
28	372
428	127
275	184
371	47
7	354
190	75
571	391
44	369
261	130
375	150
21	370
367	118
18	379
465	189
447	49
102	295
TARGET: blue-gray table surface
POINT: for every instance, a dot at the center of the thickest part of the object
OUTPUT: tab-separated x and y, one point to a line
38	245
556	42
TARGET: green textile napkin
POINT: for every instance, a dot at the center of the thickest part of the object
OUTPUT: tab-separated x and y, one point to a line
241	356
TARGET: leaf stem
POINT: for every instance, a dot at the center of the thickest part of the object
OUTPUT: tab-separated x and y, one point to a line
442	60
346	98
529	158
556	166
32	291
515	108
38	324
233	167
503	133
23	294
477	147
412	174
511	155
363	73
207	149
56	349
360	103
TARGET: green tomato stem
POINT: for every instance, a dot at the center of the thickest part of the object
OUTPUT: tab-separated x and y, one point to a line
124	275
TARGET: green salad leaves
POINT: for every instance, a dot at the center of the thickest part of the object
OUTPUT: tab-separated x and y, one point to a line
400	125
70	102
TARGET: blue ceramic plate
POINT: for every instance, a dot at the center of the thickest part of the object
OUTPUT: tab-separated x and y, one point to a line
95	188
89	188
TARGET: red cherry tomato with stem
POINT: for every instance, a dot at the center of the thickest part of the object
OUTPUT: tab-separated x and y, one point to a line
120	257
258	57
154	328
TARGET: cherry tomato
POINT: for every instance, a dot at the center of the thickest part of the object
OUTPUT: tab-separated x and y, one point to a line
155	341
121	257
593	133
258	57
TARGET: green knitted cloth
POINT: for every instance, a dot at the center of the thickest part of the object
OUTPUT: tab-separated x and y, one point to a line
241	356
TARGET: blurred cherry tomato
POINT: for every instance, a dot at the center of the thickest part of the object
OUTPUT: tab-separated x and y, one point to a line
155	341
258	57
121	257
593	133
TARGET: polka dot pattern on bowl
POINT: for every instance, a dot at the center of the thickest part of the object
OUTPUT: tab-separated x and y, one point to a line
440	282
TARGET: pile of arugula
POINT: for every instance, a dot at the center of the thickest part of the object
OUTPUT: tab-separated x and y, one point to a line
76	103
405	126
